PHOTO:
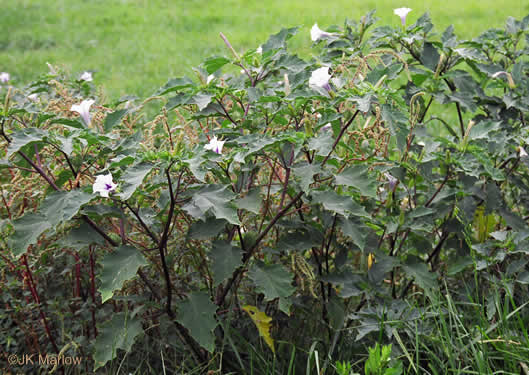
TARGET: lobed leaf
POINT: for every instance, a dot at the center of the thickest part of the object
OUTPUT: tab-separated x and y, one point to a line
119	266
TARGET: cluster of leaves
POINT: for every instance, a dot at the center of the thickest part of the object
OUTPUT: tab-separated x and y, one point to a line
328	209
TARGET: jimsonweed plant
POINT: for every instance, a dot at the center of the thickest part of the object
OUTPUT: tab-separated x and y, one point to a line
256	217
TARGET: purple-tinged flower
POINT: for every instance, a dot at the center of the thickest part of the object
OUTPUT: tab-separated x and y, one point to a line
402	13
86	76
33	97
215	145
392	181
326	127
104	185
84	110
4	77
320	78
316	33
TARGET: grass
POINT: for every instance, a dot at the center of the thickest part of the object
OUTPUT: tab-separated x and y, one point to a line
134	46
443	332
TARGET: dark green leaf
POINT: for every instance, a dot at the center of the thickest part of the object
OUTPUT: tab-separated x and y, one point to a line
202	230
82	236
24	137
73	123
119	333
357	177
355	230
61	206
419	271
215	200
215	63
322	143
347	283
513	219
28	228
483	128
305	174
273	280
383	264
67	143
448	38
57	207
340	204
177	100
303	238
523	278
114	118
174	84
133	178
430	56
201	100
251	144
197	314
424	23
119	266
224	260
278	40
364	102
251	202
292	63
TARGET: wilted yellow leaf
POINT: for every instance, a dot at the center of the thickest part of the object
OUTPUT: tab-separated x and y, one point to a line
262	321
370	260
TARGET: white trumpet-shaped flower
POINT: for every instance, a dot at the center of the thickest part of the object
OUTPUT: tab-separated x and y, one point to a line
210	78
402	13
316	33
259	50
84	110
521	152
320	77
506	74
215	145
86	76
33	97
104	185
4	77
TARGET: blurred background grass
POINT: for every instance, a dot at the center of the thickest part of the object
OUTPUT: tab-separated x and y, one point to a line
134	46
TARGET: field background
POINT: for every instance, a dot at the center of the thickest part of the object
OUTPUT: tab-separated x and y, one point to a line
134	46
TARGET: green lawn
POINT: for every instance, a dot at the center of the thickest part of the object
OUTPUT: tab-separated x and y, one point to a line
135	45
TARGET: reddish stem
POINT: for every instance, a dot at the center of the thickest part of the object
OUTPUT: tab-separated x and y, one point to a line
36	297
6	205
93	288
